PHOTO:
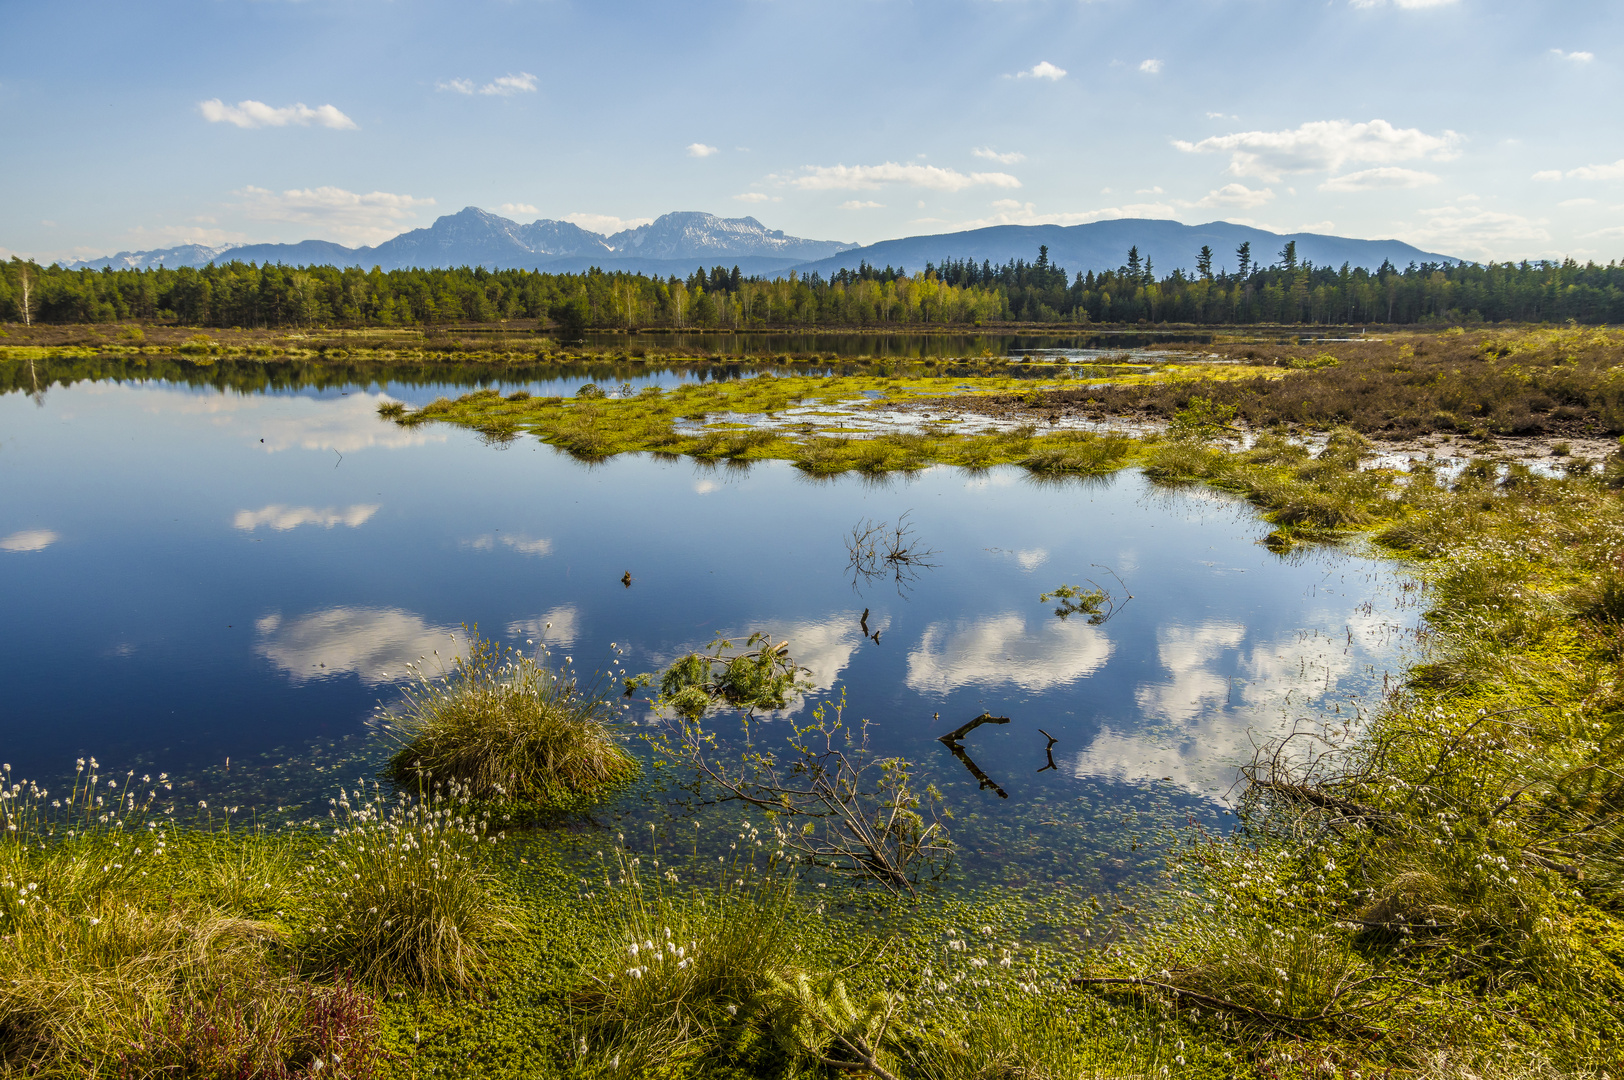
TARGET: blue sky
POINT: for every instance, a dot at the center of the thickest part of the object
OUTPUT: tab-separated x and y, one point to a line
1478	128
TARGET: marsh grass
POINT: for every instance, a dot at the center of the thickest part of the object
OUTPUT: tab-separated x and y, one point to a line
690	956
1087	455
402	894
503	725
138	947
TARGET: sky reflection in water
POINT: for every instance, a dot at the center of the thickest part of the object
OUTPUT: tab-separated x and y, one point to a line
192	574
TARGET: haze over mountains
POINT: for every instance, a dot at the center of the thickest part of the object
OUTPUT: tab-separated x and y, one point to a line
677	243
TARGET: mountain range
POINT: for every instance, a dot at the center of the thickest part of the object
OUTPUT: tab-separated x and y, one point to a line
677	243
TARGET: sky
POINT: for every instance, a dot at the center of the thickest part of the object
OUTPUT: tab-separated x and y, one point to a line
1474	128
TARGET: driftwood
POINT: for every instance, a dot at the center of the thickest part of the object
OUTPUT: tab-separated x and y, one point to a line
1048	750
952	741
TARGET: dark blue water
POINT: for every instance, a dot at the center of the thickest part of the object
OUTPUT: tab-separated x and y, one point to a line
190	575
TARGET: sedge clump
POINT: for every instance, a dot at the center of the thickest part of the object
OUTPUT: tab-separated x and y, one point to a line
505	726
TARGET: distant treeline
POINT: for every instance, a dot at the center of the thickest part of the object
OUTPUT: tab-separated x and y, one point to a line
956	292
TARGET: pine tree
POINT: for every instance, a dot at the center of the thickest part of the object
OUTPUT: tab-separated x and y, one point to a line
1203	263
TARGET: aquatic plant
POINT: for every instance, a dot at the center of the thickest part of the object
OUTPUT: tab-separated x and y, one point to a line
504	725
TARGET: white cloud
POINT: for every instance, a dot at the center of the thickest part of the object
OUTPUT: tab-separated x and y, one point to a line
753	196
29	540
1151	67
1577	202
1471	232
1043	70
1235	196
518	208
257	114
508	85
374	643
1548	175
1616	230
1407	4
1615	171
283	518
1385	176
989	154
606	224
368	218
140	237
1015	212
1573	57
1322	144
1002	650
503	86
699	149
861	177
861	204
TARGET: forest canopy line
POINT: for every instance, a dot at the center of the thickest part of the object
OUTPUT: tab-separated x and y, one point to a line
958	292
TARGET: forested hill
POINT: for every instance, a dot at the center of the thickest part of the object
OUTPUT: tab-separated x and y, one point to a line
1273	287
1099	245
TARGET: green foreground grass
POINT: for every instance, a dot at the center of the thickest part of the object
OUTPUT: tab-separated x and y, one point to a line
1436	894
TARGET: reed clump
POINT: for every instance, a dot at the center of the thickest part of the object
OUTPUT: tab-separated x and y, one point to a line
505	726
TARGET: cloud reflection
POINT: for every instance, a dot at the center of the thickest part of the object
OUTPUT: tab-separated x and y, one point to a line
1004	650
1212	720
538	546
275	422
375	644
283	518
29	540
560	626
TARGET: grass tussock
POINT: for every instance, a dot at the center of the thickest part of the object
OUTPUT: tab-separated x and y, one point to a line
503	725
686	969
402	894
137	949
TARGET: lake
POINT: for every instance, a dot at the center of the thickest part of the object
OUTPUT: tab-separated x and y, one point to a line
194	574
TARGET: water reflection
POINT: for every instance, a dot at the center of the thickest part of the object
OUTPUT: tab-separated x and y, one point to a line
561	626
1005	650
282	518
374	644
538	546
276	424
256	601
29	540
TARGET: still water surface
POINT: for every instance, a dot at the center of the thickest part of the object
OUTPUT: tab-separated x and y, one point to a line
190	575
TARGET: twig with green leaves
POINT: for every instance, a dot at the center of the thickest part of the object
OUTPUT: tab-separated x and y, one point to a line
836	805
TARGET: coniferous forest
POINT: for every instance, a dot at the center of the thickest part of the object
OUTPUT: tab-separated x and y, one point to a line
956	293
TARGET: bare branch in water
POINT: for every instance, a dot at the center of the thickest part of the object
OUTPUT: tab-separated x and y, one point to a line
882	551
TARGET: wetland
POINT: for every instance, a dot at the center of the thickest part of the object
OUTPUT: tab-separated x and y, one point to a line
1308	773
